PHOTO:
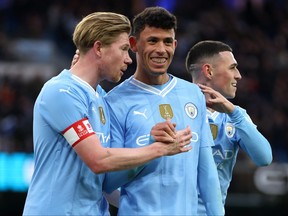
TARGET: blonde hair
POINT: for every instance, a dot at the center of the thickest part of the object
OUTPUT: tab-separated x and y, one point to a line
100	26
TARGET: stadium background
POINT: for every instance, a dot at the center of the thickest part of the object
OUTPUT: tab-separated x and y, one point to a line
35	44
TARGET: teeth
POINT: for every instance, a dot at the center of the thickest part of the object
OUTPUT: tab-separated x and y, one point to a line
159	60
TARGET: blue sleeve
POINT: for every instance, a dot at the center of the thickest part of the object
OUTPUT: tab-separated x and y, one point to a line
208	183
52	101
114	180
250	139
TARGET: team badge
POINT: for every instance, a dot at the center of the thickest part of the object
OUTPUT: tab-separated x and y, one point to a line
191	110
101	115
229	130
214	130
166	111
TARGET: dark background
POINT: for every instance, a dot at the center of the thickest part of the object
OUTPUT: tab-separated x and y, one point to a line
36	43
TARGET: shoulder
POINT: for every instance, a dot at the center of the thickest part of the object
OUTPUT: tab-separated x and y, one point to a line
65	86
122	88
188	84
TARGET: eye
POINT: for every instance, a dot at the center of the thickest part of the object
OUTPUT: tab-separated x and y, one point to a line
152	40
234	67
168	42
125	48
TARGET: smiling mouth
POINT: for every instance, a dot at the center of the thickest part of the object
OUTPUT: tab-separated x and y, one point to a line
159	60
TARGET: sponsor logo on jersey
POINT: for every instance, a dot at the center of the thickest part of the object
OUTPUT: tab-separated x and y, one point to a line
166	111
229	130
101	115
191	110
214	130
143	140
104	138
221	157
195	137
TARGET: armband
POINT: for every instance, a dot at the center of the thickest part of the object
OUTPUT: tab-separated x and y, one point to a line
78	131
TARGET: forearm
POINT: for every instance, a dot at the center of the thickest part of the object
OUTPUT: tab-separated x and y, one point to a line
250	139
127	158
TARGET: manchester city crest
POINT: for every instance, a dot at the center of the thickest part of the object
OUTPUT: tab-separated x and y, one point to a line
191	110
229	130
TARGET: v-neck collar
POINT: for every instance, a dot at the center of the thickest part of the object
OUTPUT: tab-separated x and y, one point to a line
154	90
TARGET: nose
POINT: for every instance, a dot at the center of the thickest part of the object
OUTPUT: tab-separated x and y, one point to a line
160	47
128	59
238	75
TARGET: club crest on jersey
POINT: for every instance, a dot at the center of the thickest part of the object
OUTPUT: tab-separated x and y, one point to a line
166	111
101	115
191	110
214	130
229	130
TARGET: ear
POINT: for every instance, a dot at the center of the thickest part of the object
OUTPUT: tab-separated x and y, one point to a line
175	43
133	42
207	71
97	48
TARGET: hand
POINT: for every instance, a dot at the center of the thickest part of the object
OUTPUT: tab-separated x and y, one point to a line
164	132
75	58
182	142
216	101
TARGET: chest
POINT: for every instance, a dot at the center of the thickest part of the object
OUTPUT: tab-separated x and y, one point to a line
100	120
224	135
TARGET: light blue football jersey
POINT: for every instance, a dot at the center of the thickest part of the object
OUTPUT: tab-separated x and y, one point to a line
167	185
62	184
231	132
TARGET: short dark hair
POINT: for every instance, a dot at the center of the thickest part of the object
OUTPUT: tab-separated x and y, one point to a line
157	17
205	49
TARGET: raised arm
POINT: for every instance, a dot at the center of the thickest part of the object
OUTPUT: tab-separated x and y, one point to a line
249	138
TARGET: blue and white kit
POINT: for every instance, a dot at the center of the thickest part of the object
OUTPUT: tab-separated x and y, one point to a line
167	185
67	110
231	132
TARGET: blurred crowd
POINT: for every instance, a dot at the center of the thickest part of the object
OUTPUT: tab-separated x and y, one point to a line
34	32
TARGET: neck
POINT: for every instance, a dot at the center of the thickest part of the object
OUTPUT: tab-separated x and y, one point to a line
151	78
87	72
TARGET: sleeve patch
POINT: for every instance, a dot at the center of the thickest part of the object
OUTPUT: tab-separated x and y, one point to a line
78	131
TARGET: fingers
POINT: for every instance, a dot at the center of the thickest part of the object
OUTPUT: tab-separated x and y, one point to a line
181	144
75	58
164	132
184	139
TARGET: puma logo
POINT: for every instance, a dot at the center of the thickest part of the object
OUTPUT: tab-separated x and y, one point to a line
140	113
